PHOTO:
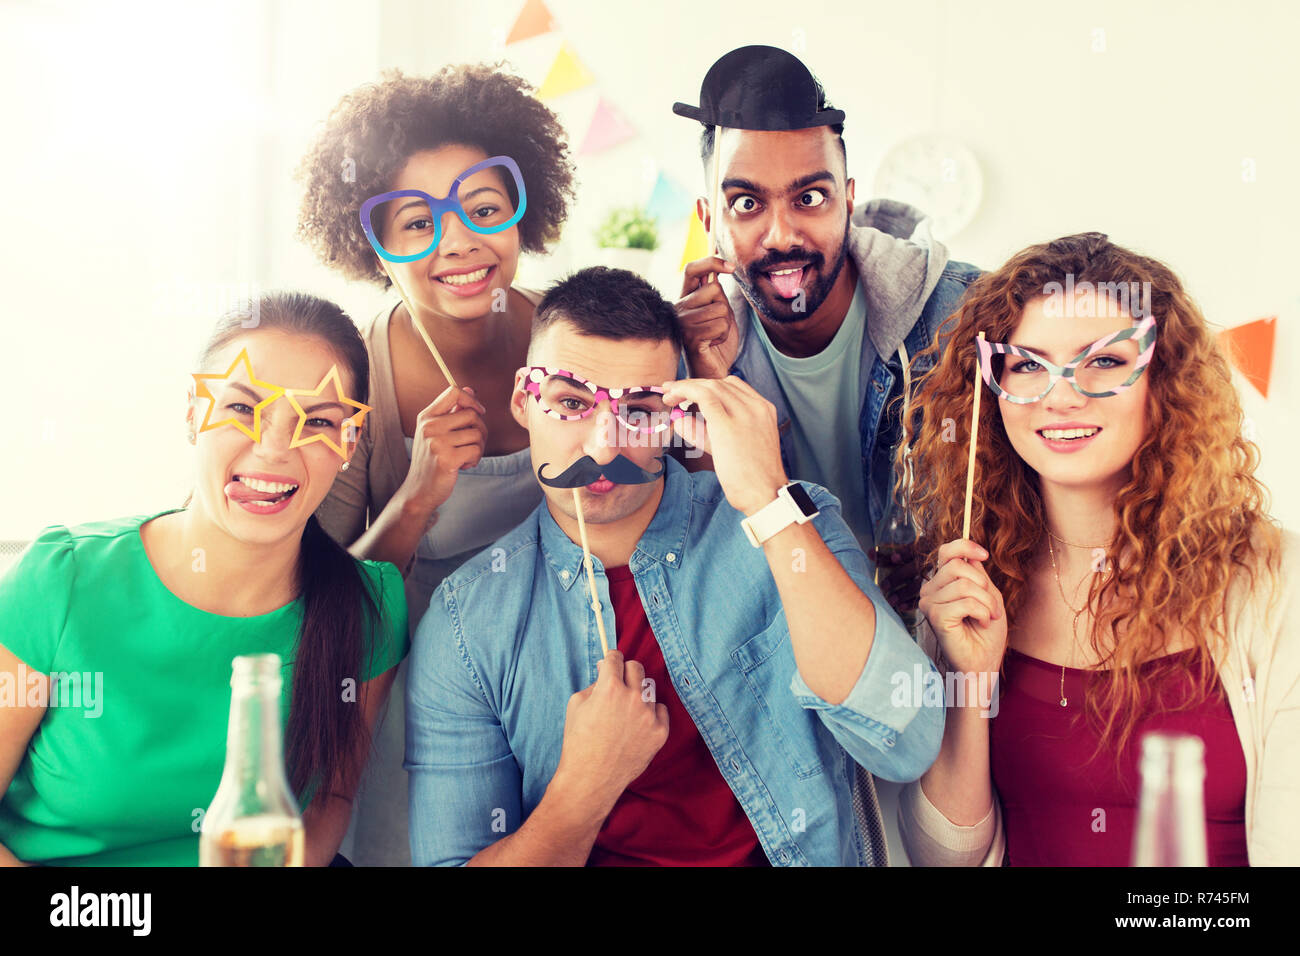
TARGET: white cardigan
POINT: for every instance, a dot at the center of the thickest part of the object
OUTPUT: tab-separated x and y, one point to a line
1260	672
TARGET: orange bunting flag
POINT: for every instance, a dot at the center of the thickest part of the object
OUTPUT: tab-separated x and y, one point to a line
533	20
1249	348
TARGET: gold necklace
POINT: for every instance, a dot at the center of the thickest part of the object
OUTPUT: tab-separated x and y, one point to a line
1085	547
1074	625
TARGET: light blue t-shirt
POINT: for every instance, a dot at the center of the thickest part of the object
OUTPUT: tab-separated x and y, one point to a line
824	393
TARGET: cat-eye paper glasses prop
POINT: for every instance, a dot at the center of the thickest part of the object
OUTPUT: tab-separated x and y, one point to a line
1022	376
243	398
405	225
1102	369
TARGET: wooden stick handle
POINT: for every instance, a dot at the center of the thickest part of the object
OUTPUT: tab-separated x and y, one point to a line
970	458
419	327
591	575
715	208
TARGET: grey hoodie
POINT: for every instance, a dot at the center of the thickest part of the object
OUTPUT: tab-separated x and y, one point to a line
906	276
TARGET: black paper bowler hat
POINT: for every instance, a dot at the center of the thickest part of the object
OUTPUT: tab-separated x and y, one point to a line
759	87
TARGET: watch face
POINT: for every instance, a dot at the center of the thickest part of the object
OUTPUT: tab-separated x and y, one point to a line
802	499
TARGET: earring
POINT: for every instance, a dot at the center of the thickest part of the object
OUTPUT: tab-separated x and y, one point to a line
345	466
192	436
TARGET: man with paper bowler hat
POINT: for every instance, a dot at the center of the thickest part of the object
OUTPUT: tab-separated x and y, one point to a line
825	303
842	294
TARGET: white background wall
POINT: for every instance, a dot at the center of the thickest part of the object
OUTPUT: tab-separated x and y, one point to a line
148	151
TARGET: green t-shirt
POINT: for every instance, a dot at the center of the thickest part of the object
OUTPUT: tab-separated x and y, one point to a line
129	755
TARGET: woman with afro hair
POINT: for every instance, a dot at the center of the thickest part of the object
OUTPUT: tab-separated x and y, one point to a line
440	471
1122	574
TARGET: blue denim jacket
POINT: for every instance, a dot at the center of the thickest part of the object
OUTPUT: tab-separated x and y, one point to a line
511	635
912	288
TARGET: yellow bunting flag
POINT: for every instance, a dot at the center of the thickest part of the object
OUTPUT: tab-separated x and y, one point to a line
697	243
566	75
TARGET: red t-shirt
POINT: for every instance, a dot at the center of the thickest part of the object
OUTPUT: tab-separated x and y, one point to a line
680	811
1062	808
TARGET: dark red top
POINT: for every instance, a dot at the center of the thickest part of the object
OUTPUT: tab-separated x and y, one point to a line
680	811
1053	797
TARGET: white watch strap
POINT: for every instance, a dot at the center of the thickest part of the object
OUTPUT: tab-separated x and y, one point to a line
770	519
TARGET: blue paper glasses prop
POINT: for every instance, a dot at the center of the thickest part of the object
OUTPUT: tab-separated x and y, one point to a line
1021	376
410	220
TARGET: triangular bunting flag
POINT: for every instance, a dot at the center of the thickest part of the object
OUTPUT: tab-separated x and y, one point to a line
669	202
1250	349
567	74
697	243
608	128
534	20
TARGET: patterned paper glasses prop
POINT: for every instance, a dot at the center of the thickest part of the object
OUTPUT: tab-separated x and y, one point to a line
348	428
421	218
1099	371
1086	371
570	397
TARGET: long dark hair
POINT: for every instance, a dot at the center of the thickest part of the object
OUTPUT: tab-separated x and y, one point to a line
325	732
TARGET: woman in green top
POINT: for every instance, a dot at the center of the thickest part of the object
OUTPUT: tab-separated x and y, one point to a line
116	637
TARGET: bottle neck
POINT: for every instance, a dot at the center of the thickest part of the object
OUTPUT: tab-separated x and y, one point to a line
254	747
1171	813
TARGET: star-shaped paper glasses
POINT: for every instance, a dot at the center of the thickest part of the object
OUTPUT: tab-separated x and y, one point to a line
245	380
348	428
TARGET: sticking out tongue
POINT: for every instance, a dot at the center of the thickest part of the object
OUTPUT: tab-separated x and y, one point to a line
787	286
241	492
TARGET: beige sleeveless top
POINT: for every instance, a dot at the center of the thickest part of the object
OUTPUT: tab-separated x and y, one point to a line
381	460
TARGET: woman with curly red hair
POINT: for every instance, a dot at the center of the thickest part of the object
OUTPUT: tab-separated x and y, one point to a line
1129	579
441	469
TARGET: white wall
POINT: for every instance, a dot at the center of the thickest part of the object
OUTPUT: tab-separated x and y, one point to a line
149	149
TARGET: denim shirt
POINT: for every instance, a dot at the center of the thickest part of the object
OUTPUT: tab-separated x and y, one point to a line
511	635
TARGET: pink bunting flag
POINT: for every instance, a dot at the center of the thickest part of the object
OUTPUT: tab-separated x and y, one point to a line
608	128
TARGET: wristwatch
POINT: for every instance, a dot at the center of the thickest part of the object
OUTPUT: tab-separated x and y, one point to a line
793	505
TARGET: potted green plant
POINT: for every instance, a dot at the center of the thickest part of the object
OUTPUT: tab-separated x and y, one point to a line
627	239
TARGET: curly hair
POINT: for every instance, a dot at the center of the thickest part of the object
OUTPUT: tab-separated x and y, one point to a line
375	129
1190	514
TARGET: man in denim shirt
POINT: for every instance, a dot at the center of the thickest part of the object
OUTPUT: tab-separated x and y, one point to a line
756	675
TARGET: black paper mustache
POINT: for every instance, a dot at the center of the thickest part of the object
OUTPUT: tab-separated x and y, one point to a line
621	471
